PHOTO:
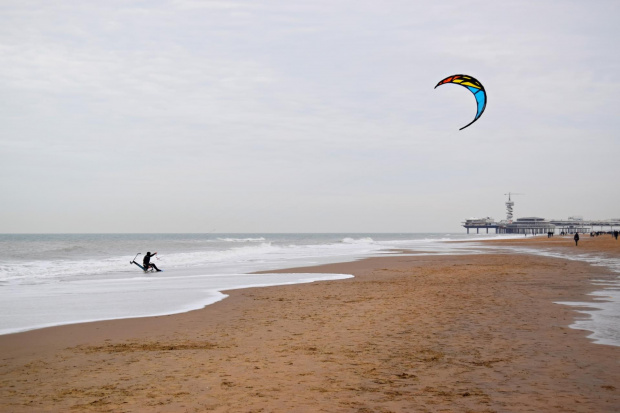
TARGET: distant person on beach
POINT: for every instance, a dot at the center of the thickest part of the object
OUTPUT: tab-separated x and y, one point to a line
147	262
576	238
616	235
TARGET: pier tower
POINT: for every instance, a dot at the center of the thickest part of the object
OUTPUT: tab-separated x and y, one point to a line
509	204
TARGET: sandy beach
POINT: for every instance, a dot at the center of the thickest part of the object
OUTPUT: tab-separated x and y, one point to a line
410	333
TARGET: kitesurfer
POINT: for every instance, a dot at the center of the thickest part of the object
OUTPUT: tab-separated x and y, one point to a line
147	262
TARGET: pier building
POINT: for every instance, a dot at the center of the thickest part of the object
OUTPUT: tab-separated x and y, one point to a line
528	225
478	223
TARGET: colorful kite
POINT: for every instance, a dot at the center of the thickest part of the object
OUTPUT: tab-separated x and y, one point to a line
474	87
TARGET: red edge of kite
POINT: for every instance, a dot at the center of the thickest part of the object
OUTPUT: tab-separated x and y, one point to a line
449	79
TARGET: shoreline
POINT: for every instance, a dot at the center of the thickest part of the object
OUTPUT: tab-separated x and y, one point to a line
114	291
478	332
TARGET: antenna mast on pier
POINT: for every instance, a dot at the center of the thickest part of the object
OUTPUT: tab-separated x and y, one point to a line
509	206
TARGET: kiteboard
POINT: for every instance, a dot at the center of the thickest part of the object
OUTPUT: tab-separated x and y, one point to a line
141	267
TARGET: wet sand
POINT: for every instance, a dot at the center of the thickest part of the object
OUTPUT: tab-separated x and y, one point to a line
475	333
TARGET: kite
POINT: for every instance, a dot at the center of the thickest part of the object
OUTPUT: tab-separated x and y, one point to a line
474	87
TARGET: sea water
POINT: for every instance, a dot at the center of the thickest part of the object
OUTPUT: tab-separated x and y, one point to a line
55	279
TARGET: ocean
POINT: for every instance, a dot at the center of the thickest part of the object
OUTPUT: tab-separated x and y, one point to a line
55	279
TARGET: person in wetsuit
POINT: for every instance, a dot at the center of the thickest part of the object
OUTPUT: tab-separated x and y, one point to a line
147	262
576	238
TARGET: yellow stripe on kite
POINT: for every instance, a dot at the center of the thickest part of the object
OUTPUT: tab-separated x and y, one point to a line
470	84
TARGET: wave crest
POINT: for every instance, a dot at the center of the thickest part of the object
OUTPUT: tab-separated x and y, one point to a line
261	239
365	240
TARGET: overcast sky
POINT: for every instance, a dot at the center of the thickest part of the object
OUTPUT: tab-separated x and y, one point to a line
304	116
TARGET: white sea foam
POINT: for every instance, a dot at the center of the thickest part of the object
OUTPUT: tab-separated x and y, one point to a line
30	307
365	240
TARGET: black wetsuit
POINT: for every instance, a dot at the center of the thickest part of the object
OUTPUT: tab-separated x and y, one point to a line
147	262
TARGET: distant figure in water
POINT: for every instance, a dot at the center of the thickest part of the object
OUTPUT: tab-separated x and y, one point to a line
147	262
576	238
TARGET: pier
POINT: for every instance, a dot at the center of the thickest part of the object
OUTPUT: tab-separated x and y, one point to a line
537	225
528	225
